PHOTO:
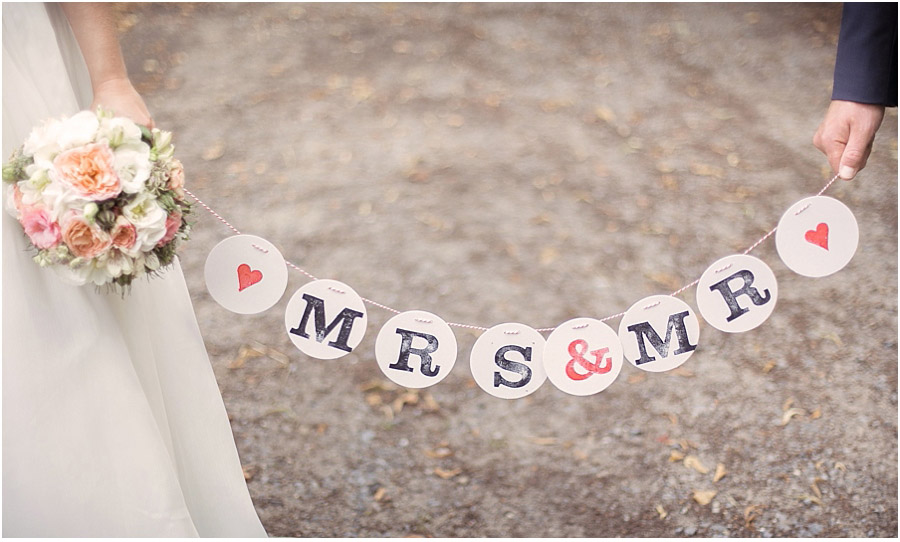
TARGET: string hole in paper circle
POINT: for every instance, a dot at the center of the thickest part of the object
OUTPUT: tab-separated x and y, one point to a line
507	361
817	236
737	293
661	337
416	349
325	319
583	356
245	274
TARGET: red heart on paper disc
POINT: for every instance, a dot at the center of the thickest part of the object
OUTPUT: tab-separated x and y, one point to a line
819	236
247	277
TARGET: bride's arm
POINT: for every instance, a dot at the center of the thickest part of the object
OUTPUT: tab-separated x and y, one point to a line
94	27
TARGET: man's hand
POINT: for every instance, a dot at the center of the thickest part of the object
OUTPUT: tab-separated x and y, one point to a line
846	134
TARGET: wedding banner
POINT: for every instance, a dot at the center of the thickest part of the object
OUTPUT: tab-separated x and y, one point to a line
327	319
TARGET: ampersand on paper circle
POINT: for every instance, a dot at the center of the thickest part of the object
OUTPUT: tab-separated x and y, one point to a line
583	356
577	349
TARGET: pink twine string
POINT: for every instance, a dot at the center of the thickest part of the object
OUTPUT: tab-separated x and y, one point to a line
681	290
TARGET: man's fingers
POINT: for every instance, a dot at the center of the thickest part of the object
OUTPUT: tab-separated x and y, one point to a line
854	155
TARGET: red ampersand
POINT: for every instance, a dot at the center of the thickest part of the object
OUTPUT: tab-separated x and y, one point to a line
577	349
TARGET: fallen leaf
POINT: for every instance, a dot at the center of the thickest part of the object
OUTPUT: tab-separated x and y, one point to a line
380	494
811	498
751	513
767	368
605	114
706	170
455	121
637	378
834	338
815	487
544	441
373	399
693	462
214	151
548	255
245	353
720	472
278	356
790	413
430	404
704	497
377	385
665	279
249	472
439	453
321	428
447	474
661	511
816	414
840	466
682	372
675	456
409	398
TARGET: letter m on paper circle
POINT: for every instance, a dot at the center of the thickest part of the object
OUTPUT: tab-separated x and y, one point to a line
343	322
644	333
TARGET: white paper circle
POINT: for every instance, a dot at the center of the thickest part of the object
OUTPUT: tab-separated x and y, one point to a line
245	274
653	320
817	236
416	349
583	356
325	319
507	361
737	293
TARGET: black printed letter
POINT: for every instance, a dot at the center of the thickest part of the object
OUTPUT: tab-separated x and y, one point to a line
424	354
346	318
731	295
644	329
523	370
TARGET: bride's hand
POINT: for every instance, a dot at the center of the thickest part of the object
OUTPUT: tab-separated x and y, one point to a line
120	97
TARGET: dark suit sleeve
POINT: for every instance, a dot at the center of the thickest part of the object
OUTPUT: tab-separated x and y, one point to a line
865	70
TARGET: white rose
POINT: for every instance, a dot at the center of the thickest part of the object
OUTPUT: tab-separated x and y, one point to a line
132	163
149	219
118	131
57	198
78	130
43	144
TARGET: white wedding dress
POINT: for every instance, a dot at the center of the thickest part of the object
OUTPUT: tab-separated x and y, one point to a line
113	424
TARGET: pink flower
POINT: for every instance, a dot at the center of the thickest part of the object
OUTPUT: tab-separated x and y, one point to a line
173	223
89	171
124	234
176	179
84	240
40	228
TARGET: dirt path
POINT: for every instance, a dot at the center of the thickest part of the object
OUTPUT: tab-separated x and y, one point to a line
535	163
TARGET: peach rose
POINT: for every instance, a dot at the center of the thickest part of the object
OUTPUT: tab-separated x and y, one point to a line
40	228
124	234
173	222
176	179
84	240
89	171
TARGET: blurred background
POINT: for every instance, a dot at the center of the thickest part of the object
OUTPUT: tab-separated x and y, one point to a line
535	163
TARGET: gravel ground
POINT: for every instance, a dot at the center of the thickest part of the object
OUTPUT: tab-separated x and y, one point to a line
535	163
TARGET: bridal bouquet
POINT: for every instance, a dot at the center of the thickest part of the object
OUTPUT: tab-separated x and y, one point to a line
100	198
